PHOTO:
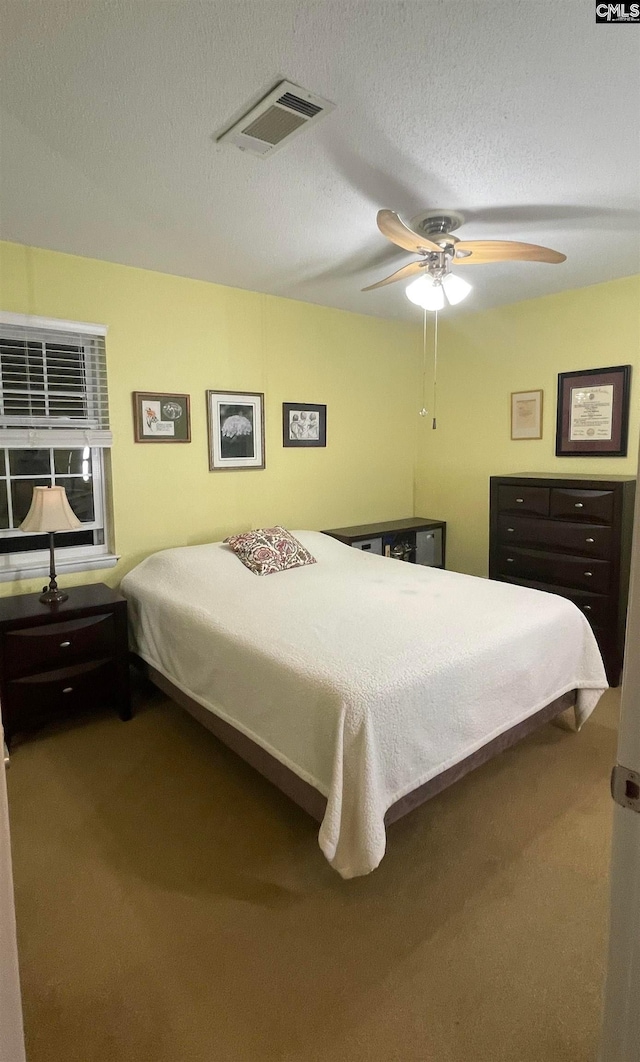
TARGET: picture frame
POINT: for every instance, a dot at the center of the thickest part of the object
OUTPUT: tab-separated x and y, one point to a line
526	414
304	424
593	412
235	422
161	417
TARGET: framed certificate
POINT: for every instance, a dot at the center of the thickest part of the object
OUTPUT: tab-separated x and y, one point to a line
526	414
593	412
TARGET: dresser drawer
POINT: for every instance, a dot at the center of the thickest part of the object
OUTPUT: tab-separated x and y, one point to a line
42	648
594	505
586	540
52	693
579	572
523	500
598	608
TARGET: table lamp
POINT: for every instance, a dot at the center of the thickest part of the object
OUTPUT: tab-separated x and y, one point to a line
50	512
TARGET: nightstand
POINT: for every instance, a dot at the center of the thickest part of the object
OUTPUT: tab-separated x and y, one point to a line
58	660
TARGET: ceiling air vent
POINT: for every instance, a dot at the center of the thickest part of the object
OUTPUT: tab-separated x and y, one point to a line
285	111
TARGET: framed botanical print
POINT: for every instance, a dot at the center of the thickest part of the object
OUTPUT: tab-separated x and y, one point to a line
161	417
236	430
593	412
304	424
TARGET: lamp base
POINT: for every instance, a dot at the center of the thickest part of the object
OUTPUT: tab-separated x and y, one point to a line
52	596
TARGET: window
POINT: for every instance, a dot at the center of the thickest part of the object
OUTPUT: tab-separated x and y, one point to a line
54	429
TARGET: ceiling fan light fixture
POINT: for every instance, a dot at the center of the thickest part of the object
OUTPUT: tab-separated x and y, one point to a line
426	292
455	288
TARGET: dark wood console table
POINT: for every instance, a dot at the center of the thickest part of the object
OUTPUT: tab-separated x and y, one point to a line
415	539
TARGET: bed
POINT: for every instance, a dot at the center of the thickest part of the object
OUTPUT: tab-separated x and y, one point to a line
360	685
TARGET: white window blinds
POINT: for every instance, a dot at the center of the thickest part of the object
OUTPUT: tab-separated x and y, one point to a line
53	383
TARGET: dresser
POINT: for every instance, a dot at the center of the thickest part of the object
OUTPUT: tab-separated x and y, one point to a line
569	535
414	538
55	661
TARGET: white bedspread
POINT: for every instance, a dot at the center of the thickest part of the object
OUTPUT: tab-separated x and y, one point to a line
366	676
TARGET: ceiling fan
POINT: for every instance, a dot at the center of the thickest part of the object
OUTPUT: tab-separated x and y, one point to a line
432	240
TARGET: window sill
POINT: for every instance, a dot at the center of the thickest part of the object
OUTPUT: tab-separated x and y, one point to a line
63	567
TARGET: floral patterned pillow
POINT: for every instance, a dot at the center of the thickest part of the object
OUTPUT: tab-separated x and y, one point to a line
269	550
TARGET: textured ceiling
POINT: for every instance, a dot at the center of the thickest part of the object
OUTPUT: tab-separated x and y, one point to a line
524	115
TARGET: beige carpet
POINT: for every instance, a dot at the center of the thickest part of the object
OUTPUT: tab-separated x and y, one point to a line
174	907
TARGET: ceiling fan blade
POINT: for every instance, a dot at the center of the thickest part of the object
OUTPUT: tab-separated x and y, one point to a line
400	274
394	229
482	251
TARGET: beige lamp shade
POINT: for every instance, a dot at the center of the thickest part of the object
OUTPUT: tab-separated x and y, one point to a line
50	511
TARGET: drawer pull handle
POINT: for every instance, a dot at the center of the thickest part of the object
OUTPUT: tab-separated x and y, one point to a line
578	505
68	689
590	540
65	645
520	500
586	608
510	529
509	560
588	574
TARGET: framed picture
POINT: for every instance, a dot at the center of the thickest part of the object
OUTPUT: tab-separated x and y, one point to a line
160	417
526	414
236	430
304	424
593	412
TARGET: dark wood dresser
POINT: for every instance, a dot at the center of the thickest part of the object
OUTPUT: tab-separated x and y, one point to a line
569	535
415	538
55	661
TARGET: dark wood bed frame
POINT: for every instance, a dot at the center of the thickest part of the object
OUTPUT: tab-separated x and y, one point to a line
305	795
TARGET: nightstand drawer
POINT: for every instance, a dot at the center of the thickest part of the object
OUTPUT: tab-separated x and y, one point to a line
42	648
52	693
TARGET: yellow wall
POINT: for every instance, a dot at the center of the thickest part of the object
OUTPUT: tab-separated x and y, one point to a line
168	333
482	359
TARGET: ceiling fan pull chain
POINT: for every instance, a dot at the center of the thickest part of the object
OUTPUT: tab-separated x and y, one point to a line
435	369
424	411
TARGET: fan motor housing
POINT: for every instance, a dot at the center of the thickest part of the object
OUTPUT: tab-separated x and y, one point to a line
438	225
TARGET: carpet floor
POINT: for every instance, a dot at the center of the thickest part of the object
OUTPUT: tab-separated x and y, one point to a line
174	907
